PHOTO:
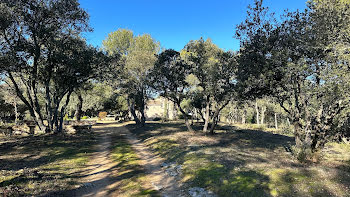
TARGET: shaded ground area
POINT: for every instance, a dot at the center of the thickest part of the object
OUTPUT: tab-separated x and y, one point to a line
101	163
40	165
238	162
123	160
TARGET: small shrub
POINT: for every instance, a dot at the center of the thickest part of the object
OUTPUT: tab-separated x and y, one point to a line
102	115
305	154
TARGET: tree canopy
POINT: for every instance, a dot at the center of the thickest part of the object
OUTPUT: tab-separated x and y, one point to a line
41	51
138	58
301	62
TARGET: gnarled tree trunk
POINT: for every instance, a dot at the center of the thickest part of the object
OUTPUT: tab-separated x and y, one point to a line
131	106
187	122
207	115
79	110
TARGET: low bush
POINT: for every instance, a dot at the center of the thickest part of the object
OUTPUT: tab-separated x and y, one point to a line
305	155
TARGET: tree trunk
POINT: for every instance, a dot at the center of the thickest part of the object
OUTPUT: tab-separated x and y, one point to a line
192	118
40	122
298	134
63	108
131	106
207	115
174	112
257	112
201	114
213	125
216	117
188	125
263	110
166	110
143	117
29	104
276	123
142	111
79	111
54	120
243	116
16	112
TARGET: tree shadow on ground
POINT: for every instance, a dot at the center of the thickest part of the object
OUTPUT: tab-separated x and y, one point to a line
244	141
228	182
35	163
126	176
223	162
33	152
257	139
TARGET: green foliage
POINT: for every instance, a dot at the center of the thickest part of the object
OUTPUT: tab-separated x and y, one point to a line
119	42
212	76
301	62
138	58
5	108
168	77
41	40
100	97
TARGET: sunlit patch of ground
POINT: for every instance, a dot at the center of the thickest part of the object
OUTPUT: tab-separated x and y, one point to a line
242	162
131	178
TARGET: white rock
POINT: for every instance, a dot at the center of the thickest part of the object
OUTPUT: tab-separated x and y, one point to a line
200	192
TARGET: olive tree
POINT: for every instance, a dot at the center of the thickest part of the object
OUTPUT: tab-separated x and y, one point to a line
168	77
212	77
303	62
43	55
138	55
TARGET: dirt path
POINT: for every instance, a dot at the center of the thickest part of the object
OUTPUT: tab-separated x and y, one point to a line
98	179
158	178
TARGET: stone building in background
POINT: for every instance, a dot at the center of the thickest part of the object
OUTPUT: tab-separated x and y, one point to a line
161	108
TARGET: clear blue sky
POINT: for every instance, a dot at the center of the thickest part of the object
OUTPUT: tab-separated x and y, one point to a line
174	23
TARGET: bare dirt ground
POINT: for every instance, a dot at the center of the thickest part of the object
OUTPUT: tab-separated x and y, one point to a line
158	178
100	178
96	178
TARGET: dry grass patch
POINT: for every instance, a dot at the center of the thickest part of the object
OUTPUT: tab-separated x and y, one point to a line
242	162
43	165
